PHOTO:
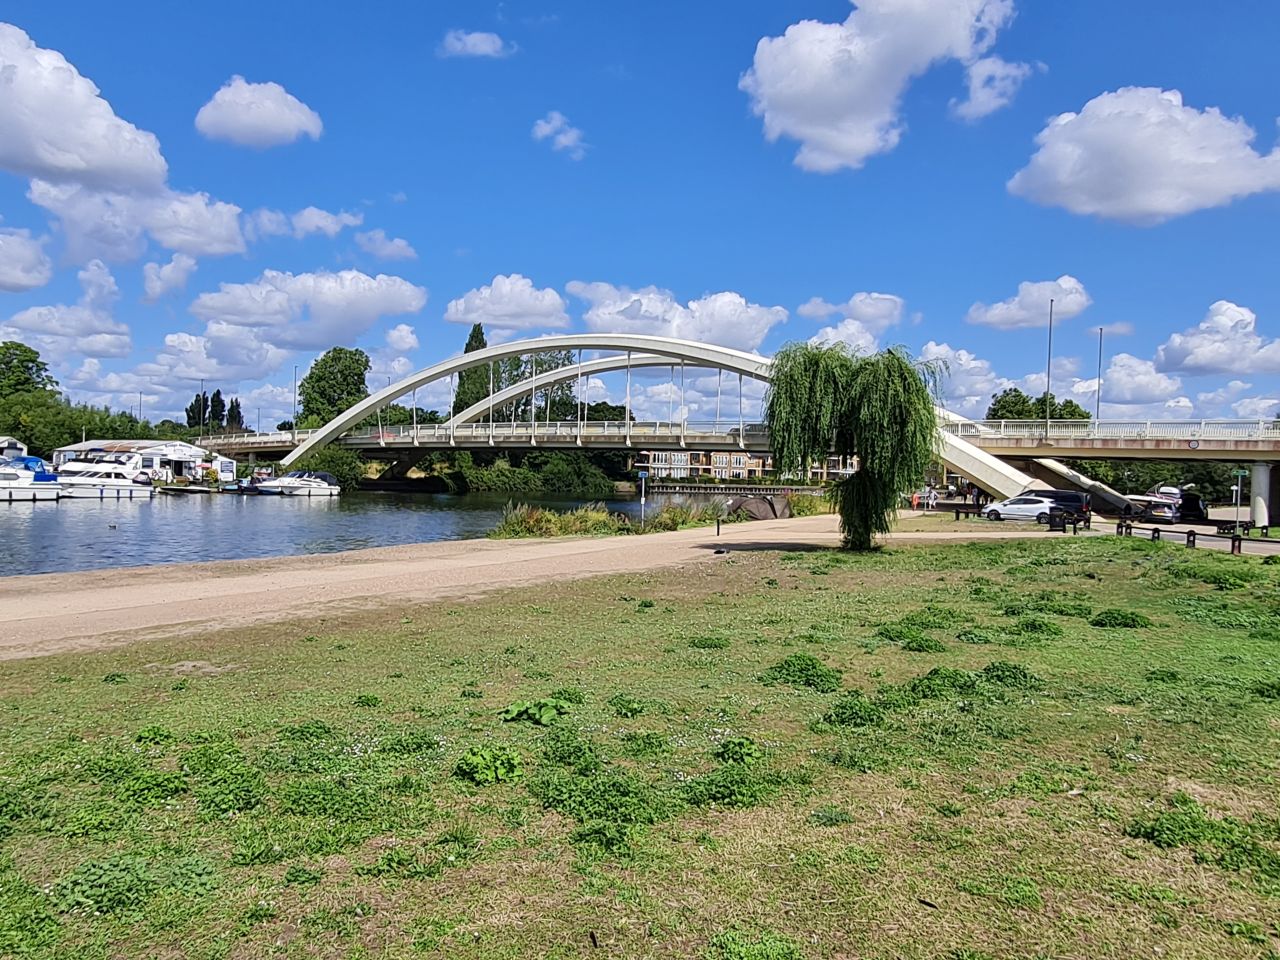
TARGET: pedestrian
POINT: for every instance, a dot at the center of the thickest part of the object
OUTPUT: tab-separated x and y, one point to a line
933	497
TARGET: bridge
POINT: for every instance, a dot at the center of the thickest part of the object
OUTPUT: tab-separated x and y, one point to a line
978	450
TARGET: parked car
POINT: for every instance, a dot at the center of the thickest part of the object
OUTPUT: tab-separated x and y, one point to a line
1072	501
1022	507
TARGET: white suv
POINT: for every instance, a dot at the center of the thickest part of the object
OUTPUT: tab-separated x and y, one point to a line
1020	508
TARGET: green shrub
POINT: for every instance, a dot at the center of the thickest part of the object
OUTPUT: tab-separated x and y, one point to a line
225	783
147	788
932	617
489	764
831	816
977	635
710	642
321	797
1010	675
807	505
803	670
853	709
626	706
1037	626
941	683
368	700
541	712
924	644
608	796
1123	619
900	633
735	945
1267	689
155	735
606	835
570	695
345	465
116	885
300	876
643	745
734	786
741	750
566	748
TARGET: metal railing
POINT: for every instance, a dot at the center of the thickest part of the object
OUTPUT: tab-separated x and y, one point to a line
1116	429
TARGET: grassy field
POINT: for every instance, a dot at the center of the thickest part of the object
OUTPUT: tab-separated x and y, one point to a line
1055	748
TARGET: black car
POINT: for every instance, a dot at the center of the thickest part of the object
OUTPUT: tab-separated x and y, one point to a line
1073	501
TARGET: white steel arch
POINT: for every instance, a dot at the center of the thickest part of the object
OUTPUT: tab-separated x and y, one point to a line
639	351
698	354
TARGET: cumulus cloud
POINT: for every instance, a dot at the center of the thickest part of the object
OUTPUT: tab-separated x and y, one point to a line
86	327
23	262
837	88
1224	394
224	352
1225	341
1130	380
402	338
993	83
509	304
114	226
722	318
309	310
474	43
257	115
378	244
970	381
1030	306
55	126
1257	408
864	317
1138	154
314	220
159	279
555	126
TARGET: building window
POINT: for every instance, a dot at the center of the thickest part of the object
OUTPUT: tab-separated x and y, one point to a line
738	461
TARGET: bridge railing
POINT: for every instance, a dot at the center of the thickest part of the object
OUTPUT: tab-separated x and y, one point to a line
1116	429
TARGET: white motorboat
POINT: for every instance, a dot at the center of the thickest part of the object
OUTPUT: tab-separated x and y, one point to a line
302	483
105	481
20	485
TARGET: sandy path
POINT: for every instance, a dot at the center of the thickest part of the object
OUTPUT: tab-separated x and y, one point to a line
62	612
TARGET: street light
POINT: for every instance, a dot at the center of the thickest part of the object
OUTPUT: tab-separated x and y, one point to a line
295	404
1235	493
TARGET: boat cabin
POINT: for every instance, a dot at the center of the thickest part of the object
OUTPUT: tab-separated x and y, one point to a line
164	461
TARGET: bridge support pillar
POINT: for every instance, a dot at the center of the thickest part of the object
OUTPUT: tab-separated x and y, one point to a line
1260	489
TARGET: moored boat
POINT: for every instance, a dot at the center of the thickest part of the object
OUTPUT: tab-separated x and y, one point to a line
105	482
302	483
21	485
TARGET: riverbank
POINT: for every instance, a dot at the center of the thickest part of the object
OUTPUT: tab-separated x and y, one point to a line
1057	745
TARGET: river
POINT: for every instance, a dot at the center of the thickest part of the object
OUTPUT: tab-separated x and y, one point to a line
81	534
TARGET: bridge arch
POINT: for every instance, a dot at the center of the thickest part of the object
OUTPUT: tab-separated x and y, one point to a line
635	350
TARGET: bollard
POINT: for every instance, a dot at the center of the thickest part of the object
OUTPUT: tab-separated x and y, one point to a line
1235	543
1191	539
1155	533
1264	532
717	526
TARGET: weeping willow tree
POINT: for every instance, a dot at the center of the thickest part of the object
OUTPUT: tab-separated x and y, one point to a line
825	400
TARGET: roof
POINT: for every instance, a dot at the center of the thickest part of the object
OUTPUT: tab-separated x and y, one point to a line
133	446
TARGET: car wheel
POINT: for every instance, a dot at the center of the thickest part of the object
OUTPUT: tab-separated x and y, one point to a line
1042	518
993	515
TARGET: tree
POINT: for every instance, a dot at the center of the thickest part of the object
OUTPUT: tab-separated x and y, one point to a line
198	411
284	425
22	370
44	421
473	384
880	408
335	382
235	417
345	465
1012	404
217	411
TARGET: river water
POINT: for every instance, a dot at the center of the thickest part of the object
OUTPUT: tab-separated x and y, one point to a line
81	534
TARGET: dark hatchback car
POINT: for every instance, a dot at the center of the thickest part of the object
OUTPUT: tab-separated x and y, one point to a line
1073	501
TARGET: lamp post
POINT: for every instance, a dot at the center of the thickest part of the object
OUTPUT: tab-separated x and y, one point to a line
1097	395
294	421
1048	377
202	405
1235	493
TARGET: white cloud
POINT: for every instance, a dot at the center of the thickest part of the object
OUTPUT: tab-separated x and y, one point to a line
864	316
563	135
402	338
721	318
1137	154
113	226
993	83
1225	341
224	353
1030	306
1223	394
970	381
1257	408
159	279
314	220
257	115
837	87
378	244
86	327
309	310
23	262
1130	380
266	223
54	125
509	303
466	43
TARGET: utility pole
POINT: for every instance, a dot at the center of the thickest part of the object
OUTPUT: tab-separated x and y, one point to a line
202	405
294	421
1048	377
1097	396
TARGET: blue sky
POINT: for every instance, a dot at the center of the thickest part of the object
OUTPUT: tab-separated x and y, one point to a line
743	172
